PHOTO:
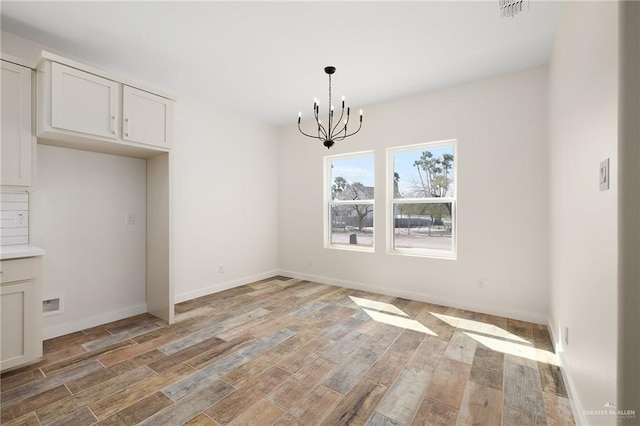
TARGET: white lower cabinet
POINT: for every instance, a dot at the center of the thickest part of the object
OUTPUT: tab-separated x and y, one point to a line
20	311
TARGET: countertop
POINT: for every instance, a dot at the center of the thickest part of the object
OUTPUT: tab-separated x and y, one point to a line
18	251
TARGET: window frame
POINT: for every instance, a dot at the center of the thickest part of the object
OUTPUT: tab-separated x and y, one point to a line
391	201
328	202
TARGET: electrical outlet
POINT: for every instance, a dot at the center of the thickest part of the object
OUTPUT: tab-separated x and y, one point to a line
480	282
310	263
566	336
221	269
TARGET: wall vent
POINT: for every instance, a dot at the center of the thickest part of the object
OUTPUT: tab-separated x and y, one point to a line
52	306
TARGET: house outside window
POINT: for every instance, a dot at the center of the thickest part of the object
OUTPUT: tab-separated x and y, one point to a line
422	199
349	194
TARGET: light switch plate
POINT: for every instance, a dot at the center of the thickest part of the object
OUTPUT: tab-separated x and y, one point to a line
129	219
604	175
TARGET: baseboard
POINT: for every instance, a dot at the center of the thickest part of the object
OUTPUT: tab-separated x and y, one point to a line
576	406
205	291
49	332
422	297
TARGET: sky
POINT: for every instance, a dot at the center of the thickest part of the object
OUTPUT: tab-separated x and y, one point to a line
361	169
358	169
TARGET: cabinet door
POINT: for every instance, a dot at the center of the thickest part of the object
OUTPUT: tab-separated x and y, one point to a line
17	140
18	326
147	118
83	102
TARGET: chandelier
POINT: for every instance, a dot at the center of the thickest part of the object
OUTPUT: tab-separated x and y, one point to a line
335	130
510	8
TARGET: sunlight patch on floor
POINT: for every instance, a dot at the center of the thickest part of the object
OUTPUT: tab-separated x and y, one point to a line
515	349
378	306
401	322
479	327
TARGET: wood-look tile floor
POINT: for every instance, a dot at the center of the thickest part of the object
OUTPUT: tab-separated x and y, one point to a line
283	351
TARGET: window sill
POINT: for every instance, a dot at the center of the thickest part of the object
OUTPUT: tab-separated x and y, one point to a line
431	254
350	248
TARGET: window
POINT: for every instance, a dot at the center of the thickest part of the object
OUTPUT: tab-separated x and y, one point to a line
349	191
422	190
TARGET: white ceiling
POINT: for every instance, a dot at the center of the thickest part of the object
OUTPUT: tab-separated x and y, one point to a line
265	59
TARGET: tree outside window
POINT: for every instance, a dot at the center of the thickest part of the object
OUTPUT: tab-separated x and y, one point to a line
423	200
351	201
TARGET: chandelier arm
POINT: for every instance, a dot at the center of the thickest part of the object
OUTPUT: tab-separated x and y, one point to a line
339	121
320	126
306	134
344	129
322	132
351	134
348	118
339	135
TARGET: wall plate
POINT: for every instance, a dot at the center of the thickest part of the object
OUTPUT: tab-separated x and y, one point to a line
604	175
53	306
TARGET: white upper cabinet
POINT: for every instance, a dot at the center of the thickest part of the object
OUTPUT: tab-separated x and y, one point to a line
17	137
146	117
86	108
83	102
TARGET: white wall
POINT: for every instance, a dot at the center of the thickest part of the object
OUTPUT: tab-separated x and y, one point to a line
501	128
93	260
225	200
583	245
